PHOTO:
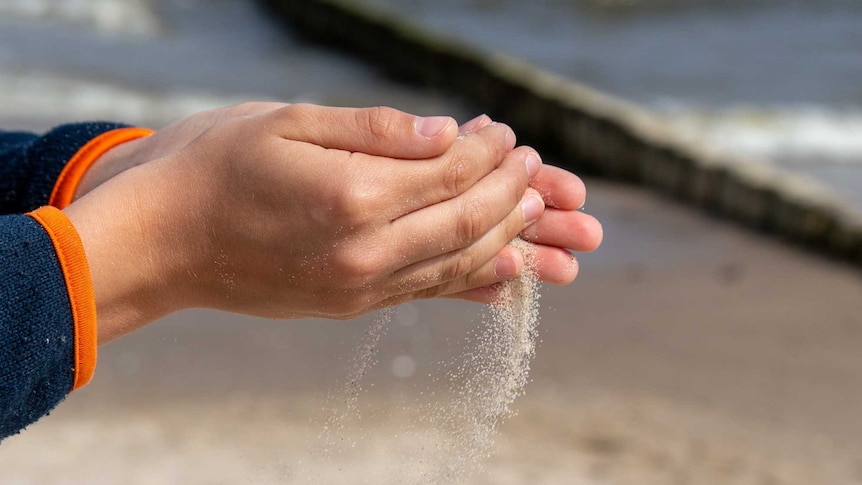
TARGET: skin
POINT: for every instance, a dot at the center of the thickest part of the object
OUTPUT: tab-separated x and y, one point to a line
293	211
560	228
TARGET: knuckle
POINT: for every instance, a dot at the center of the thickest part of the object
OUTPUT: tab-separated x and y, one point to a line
462	263
381	121
300	112
456	178
493	145
476	157
354	203
295	109
358	267
472	221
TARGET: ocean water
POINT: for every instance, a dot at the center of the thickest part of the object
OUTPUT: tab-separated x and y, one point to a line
770	79
151	62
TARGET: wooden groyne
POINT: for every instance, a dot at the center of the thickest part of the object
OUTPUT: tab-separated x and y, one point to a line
590	131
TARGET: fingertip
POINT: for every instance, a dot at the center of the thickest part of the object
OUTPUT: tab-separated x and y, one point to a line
560	188
534	193
577	193
556	265
534	163
428	145
510	137
594	234
566	270
570	272
431	127
508	133
509	264
532	206
474	125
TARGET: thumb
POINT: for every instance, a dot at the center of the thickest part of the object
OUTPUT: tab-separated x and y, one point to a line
379	131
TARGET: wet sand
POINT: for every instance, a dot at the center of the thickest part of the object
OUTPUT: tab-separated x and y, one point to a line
688	351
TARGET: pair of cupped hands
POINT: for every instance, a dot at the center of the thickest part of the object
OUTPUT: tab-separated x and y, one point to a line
292	211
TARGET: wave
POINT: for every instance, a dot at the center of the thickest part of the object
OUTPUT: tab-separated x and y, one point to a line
127	17
59	98
791	134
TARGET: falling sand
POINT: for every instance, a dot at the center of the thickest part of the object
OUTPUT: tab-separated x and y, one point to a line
493	372
456	432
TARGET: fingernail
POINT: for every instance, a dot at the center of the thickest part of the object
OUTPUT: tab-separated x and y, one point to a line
534	163
473	125
510	138
431	126
505	268
470	126
532	207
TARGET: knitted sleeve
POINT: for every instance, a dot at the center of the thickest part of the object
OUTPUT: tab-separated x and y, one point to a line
47	316
30	165
48	329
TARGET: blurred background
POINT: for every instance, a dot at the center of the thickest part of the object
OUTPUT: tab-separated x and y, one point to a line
689	350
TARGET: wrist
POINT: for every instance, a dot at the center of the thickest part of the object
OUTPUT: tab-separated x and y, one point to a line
113	162
136	274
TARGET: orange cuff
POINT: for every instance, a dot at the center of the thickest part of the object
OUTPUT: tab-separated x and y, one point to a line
73	172
79	285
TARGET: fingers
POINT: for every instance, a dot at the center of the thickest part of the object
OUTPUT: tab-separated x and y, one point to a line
560	188
552	265
421	184
377	131
474	125
459	222
555	265
480	261
566	229
508	263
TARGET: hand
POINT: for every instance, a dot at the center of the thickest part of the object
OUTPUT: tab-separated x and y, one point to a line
267	214
179	134
561	227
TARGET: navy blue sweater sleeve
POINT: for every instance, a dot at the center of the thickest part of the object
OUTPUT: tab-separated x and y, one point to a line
30	164
36	325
